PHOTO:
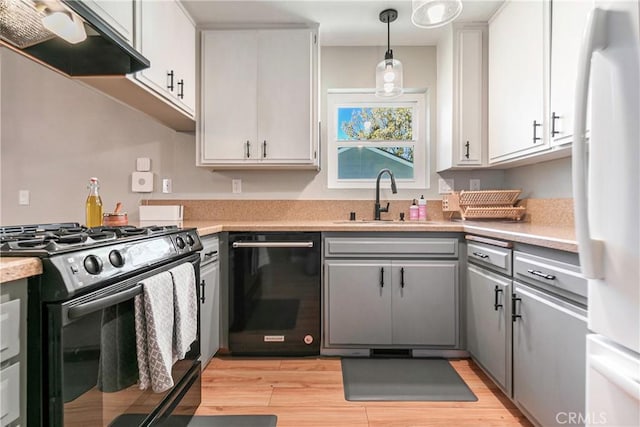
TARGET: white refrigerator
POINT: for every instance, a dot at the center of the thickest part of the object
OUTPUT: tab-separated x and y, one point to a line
606	186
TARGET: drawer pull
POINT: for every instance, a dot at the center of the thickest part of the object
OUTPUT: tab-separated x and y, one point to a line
496	291
402	277
541	274
381	277
514	313
481	255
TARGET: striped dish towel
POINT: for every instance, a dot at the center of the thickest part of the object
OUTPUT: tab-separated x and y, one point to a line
154	332
185	309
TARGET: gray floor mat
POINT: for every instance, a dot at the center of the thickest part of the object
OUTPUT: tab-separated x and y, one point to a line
403	380
233	421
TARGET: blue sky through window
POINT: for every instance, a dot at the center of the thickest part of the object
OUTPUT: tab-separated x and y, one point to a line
344	115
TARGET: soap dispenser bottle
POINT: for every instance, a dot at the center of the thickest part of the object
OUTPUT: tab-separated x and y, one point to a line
413	211
422	209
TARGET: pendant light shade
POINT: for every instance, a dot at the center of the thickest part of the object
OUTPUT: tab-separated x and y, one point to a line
434	13
389	70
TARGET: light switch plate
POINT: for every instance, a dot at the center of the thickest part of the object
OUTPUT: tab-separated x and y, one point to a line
142	182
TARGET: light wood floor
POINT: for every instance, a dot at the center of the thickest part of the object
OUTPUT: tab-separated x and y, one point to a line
308	392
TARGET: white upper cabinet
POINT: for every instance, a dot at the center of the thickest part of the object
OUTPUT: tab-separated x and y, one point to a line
568	19
117	13
259	99
533	53
229	78
517	58
166	36
462	101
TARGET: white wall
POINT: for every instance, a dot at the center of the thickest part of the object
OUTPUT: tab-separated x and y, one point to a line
55	133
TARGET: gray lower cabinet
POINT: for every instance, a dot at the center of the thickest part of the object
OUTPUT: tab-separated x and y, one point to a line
489	324
391	302
209	300
359	302
549	340
13	353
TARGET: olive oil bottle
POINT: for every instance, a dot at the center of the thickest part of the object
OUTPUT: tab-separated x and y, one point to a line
93	205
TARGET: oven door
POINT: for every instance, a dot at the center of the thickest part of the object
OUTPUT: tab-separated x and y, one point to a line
90	352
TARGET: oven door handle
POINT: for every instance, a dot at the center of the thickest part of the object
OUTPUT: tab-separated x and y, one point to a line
83	309
251	244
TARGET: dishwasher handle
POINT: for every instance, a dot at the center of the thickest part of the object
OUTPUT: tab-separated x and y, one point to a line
253	244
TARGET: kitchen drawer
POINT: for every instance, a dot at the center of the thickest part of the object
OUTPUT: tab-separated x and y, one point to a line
9	394
390	247
492	257
538	270
9	329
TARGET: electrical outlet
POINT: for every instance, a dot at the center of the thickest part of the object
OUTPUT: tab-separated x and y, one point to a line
236	186
167	185
474	184
23	197
445	186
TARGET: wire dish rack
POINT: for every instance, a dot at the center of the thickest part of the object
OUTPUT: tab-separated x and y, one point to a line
488	204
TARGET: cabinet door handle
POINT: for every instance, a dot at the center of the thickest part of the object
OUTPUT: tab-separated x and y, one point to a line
181	89
402	277
496	291
381	277
467	147
535	130
202	285
264	148
554	116
480	255
247	145
514	314
170	80
541	274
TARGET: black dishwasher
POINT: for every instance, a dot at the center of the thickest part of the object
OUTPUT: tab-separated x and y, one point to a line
274	294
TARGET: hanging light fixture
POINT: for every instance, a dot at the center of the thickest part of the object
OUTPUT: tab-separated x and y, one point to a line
389	71
434	13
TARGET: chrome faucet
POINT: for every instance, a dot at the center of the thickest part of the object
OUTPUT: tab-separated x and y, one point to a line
394	189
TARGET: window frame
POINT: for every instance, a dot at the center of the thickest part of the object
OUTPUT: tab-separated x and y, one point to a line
348	98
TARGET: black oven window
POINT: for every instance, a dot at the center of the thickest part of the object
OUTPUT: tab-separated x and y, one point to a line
100	368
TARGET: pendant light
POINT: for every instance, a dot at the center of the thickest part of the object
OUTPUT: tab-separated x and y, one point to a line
434	13
389	71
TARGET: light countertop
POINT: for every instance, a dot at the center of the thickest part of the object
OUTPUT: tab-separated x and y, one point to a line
12	268
561	237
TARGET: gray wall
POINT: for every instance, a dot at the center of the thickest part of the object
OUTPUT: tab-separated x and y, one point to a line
547	180
55	133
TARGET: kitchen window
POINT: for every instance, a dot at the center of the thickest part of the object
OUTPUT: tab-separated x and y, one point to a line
366	134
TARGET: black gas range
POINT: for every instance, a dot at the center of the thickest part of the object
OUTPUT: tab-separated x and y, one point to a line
77	259
82	361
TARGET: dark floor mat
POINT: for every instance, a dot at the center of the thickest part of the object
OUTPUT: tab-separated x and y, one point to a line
128	420
234	421
403	380
273	314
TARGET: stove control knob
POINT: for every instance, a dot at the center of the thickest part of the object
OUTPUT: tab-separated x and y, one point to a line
180	242
190	240
93	264
116	259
